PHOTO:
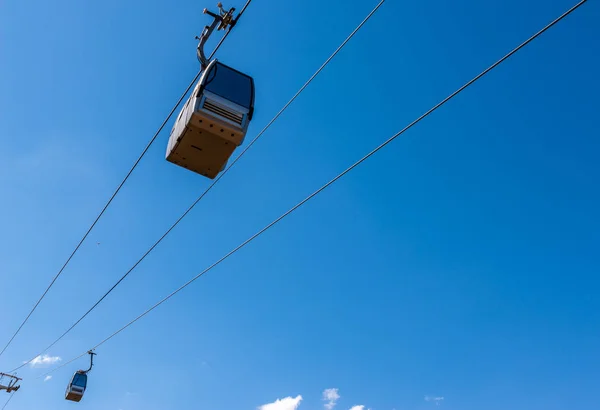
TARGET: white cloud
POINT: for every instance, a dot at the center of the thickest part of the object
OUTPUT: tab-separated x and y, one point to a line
288	403
436	399
359	407
44	360
331	396
47	378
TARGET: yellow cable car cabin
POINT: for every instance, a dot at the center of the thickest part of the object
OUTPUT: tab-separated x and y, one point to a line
213	121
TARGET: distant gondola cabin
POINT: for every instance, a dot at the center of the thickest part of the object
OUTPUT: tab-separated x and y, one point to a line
77	386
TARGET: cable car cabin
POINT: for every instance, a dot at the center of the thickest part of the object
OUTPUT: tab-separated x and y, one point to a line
213	121
76	388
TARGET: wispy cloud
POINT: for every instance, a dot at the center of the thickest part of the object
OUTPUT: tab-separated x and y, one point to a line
435	399
44	360
288	403
330	396
47	378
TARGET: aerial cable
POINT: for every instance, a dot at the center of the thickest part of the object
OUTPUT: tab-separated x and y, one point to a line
211	186
135	164
322	188
8	401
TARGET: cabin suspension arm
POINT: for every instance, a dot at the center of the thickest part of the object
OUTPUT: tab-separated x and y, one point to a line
92	354
221	21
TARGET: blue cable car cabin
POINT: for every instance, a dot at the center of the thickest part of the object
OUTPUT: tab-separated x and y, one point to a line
213	121
76	388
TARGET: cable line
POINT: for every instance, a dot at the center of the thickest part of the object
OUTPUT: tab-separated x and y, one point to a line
212	185
322	188
8	401
135	164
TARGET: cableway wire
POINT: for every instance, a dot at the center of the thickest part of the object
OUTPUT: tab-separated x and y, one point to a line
214	182
135	164
315	193
8	401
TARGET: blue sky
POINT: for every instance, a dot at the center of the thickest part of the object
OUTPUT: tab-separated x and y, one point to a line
460	262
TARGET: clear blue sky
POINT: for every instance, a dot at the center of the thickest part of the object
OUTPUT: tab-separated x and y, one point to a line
461	262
